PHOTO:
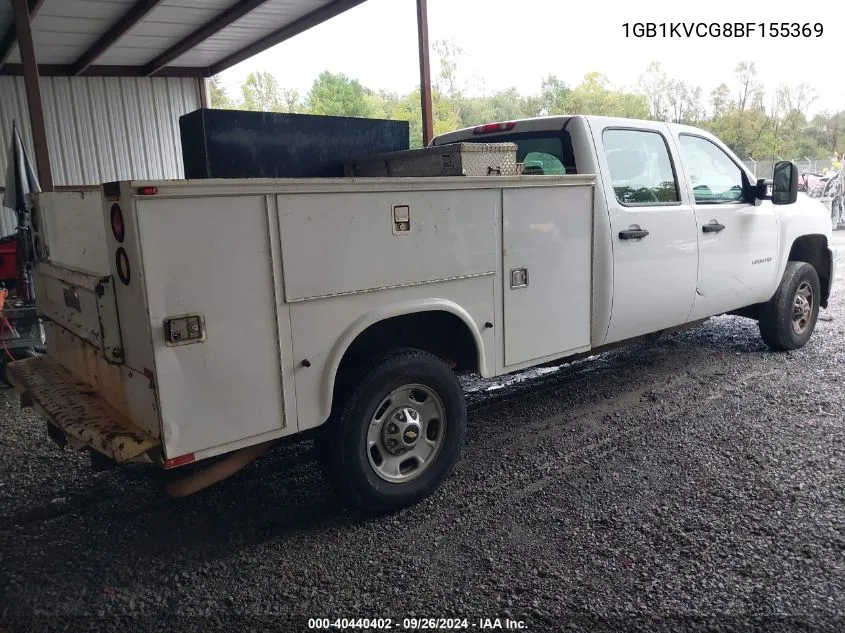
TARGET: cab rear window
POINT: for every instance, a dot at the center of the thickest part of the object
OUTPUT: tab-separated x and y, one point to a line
542	154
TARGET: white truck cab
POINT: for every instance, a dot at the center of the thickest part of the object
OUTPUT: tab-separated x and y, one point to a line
712	245
189	320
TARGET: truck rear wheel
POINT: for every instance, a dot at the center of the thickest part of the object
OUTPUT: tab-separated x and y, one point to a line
397	434
787	321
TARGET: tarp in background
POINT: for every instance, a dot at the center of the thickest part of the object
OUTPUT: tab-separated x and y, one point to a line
20	182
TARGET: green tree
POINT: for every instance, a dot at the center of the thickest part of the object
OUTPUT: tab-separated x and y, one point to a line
410	109
594	95
261	93
749	89
217	96
291	100
720	100
828	129
749	133
750	122
336	94
448	83
554	96
382	104
654	85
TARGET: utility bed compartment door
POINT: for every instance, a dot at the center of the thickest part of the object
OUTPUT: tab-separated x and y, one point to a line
70	229
547	260
68	298
342	243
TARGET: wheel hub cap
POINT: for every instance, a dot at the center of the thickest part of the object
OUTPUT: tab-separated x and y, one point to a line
406	433
401	431
802	308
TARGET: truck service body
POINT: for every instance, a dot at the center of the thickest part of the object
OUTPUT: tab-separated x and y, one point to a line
208	318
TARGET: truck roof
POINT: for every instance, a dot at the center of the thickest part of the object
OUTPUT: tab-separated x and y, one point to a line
533	124
502	129
553	122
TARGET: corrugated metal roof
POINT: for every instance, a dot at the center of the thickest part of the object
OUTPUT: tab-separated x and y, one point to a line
255	25
103	128
163	27
63	30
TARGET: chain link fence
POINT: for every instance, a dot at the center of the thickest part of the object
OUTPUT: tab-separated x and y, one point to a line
765	168
830	191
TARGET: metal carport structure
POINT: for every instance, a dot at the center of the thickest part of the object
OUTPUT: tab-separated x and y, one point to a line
177	39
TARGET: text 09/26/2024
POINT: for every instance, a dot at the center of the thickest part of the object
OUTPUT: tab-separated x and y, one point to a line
417	624
722	29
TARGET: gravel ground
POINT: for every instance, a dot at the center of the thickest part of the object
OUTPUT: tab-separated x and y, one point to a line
693	484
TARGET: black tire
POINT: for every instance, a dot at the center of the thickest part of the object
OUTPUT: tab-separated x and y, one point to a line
341	444
776	318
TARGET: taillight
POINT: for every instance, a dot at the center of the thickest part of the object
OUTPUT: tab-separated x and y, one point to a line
147	191
117	227
490	128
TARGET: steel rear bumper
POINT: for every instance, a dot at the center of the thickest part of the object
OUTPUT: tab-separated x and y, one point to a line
85	419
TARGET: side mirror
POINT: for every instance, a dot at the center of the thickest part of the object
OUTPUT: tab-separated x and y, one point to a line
785	183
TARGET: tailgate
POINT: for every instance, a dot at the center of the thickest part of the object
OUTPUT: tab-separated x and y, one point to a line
81	303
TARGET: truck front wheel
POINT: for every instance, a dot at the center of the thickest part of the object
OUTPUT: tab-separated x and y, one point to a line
397	434
788	319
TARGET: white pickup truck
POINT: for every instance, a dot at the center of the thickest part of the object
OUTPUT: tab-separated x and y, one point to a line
189	320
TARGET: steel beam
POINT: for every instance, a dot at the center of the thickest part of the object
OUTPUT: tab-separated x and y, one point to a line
8	41
425	73
285	33
118	30
64	70
208	29
23	27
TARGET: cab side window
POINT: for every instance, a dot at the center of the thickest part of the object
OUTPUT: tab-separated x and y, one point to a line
715	178
641	170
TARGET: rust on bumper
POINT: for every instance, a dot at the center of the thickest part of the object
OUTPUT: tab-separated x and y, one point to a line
77	410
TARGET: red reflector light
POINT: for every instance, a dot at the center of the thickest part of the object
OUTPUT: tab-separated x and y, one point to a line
494	127
117	227
147	191
179	461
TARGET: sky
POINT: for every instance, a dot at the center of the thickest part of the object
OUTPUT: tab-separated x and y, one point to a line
508	43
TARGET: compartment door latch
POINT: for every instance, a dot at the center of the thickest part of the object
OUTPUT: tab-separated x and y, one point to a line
184	329
519	278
